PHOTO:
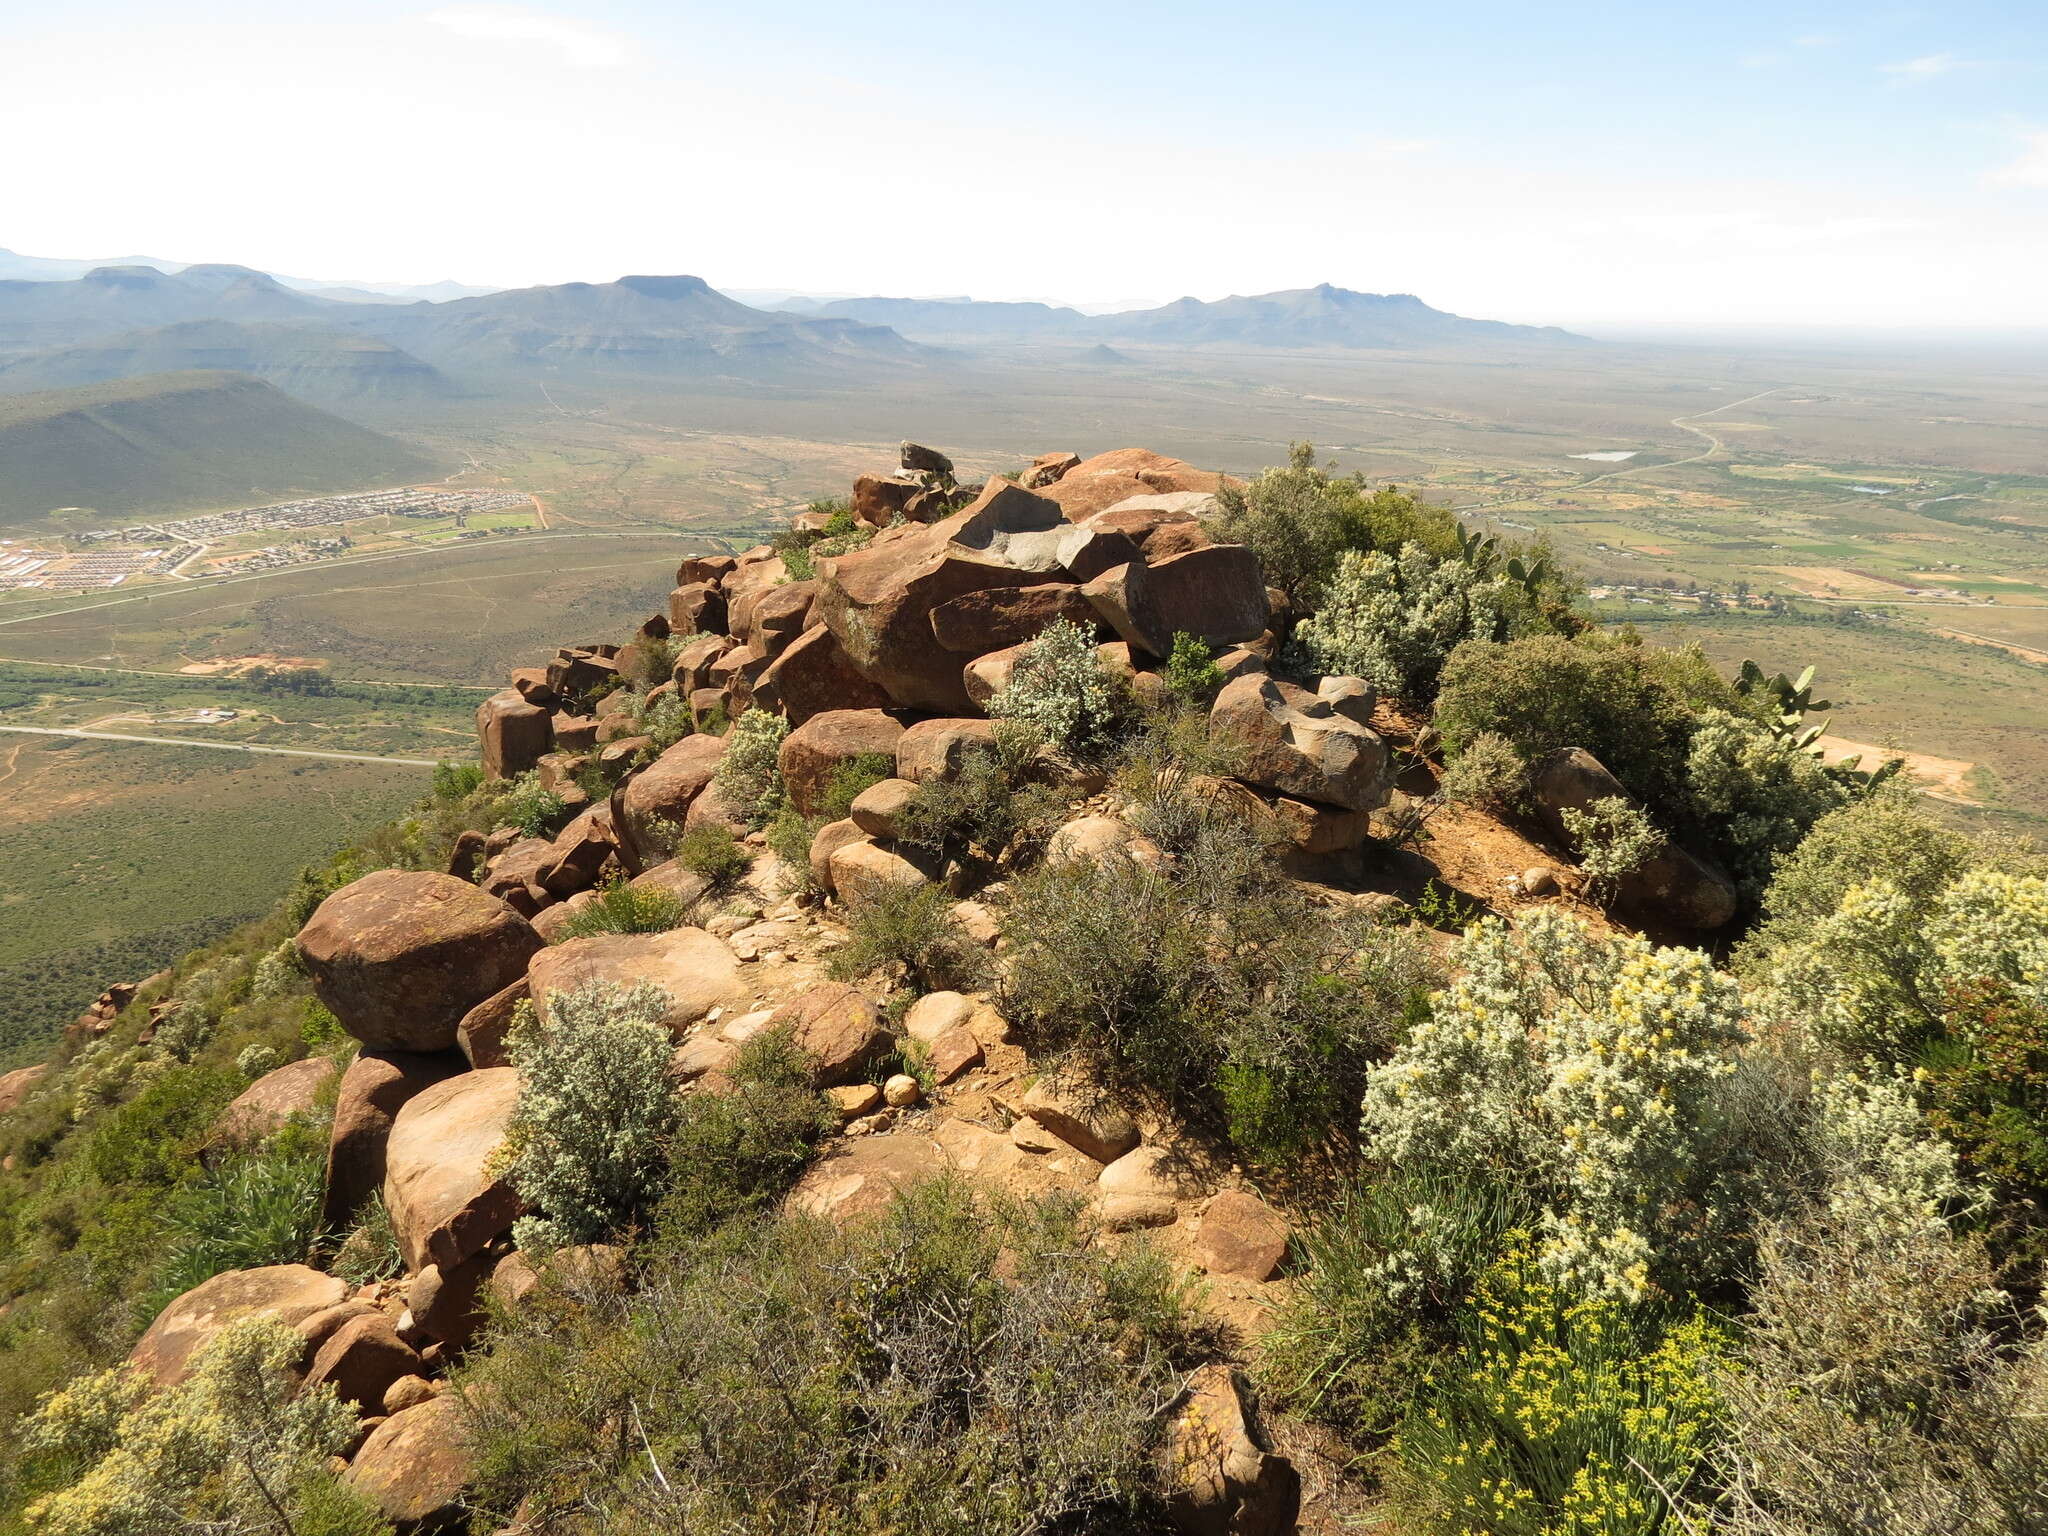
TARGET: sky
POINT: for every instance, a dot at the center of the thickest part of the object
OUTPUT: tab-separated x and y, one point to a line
1753	163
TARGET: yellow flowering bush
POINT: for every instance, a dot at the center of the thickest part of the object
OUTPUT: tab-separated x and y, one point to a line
1586	1069
1566	1415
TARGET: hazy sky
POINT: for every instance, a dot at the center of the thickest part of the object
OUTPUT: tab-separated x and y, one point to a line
1741	161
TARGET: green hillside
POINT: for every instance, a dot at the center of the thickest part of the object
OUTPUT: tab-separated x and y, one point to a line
304	360
169	442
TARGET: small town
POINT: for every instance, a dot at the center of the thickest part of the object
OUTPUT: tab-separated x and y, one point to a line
316	512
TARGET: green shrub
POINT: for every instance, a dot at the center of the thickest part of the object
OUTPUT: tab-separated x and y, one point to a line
649	661
1487	772
1615	839
370	1251
750	773
852	777
910	929
1887	833
665	722
952	1365
1562	1414
238	1446
1757	790
256	1208
587	1144
534	810
989	807
622	907
1060	688
735	1152
1192	677
715	855
457	781
790	836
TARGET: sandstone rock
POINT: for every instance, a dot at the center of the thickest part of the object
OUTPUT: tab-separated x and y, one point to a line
978	622
1085	1120
481	1034
861	872
938	749
321	1326
513	734
692	667
1026	532
878	499
717	807
901	1091
1177	539
816	750
361	1359
1099	483
1047	468
935	1013
986	676
287	1292
812	674
854	1100
831	837
1129	1213
582	673
859	1178
574	733
375	1087
414	1467
701	1054
953	1054
1151	1170
878	604
513	876
1673	886
1241	1236
840	1030
579	853
698	608
1319	829
877	809
400	956
696	970
531	684
977	923
745	589
1297	744
446	1304
1352	697
1215	594
407	1392
781	614
920	460
446	1200
1096	838
1538	880
16	1086
263	1107
712	568
552	924
1226	1480
1237	661
663	792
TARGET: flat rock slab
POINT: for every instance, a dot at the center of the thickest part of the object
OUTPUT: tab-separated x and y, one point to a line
290	1293
694	968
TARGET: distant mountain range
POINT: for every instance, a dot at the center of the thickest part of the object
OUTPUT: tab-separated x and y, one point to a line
1323	316
309	361
57	268
178	440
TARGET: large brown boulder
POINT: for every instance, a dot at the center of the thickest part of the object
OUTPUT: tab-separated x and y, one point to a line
979	622
1098	483
16	1086
1241	1236
441	1184
1215	594
288	1292
263	1107
812	674
830	838
1224	1476
840	1030
939	749
512	734
812	753
662	792
361	1359
877	499
859	872
692	669
859	1178
1298	744
481	1034
711	568
695	969
375	1087
1047	468
415	1465
697	609
782	614
1672	886
400	956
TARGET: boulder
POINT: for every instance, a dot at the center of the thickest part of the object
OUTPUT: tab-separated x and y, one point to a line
1141	518
578	854
1352	697
745	588
812	675
938	749
1673	886
978	622
1152	1170
16	1086
582	673
375	1087
953	1054
531	684
838	1028
859	1178
1099	837
711	568
1224	1476
697	609
361	1359
1320	829
481	1034
878	603
1099	483
1240	1236
920	460
1216	594
407	1392
400	956
1179	539
1297	744
695	969
935	1013
574	733
414	1467
263	1107
860	872
692	667
830	839
816	750
288	1292
1026	532
782	614
1047	468
1086	1120
986	676
512	733
446	1304
663	792
877	499
513	876
877	808
441	1183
